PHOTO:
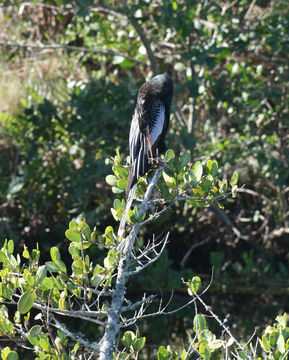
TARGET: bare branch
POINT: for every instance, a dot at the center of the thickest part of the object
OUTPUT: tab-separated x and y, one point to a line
143	37
113	323
42	47
151	260
221	323
93	346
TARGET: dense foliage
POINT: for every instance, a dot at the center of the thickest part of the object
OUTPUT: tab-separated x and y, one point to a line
69	78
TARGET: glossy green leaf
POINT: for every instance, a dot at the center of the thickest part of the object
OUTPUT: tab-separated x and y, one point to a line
111	180
169	154
199	323
72	235
26	301
205	351
2	256
55	254
234	178
10	246
127	338
198	170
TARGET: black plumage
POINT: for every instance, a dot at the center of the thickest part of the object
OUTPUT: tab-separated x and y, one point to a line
147	132
149	125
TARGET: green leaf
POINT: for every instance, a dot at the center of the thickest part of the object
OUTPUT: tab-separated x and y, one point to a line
61	266
281	344
169	154
2	256
35	330
10	246
163	353
199	323
86	232
207	185
5	291
55	254
120	171
127	339
118	204
205	351
117	190
198	170
168	179
212	166
26	301
111	180
121	184
7	354
46	284
16	185
26	254
215	344
12	355
273	338
51	266
73	226
194	285
282	320
139	344
127	63
185	159
234	178
72	235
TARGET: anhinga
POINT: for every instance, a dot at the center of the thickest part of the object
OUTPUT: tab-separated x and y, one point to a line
148	130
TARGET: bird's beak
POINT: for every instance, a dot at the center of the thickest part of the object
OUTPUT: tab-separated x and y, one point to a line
150	146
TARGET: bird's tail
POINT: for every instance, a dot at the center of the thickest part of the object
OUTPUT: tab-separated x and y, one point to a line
129	200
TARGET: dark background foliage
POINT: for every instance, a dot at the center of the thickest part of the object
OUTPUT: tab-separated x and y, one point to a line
70	72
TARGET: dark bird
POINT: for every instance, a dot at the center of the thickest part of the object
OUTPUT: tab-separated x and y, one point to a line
148	130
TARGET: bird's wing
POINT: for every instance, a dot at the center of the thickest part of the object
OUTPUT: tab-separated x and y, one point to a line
157	121
138	150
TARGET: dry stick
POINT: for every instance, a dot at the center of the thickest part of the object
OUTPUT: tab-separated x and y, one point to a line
146	42
223	325
115	311
68	47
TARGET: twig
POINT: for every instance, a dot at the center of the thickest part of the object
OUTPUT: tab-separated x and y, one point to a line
151	260
76	338
221	323
69	47
144	39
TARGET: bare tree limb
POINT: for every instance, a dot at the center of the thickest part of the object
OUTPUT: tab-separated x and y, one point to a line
42	47
114	313
143	37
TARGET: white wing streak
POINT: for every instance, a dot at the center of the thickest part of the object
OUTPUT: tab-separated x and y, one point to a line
157	120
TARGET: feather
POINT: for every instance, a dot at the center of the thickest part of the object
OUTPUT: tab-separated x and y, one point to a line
150	119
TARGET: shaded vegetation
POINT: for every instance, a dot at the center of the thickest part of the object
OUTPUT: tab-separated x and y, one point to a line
69	79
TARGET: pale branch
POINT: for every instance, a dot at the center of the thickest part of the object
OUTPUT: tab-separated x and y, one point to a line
41	47
285	355
150	247
143	37
97	292
171	202
132	306
189	251
84	315
77	338
151	260
202	199
156	215
114	313
92	290
222	324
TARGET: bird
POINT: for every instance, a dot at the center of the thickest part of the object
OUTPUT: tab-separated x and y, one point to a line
148	130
